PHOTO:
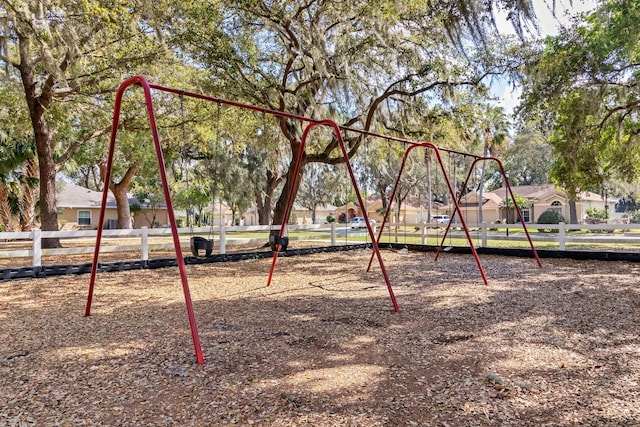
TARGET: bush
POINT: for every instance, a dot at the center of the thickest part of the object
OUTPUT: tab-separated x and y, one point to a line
550	216
596	216
330	219
634	217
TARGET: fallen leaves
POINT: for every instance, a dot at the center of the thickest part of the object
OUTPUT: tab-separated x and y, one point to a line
321	346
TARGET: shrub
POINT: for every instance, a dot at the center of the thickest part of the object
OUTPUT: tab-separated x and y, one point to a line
634	217
596	216
330	219
551	216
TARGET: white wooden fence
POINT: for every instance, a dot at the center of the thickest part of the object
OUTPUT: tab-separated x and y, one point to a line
482	235
36	252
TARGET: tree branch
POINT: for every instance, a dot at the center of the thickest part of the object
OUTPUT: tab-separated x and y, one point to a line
78	143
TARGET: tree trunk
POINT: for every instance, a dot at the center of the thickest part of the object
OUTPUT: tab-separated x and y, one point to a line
382	192
573	215
122	205
28	196
5	210
281	205
263	205
119	190
44	142
264	199
48	209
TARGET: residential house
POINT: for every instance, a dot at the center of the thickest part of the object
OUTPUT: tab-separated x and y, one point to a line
299	215
540	197
413	210
80	207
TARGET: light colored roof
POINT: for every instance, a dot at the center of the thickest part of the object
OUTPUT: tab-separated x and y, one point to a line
74	196
588	195
471	198
69	195
527	191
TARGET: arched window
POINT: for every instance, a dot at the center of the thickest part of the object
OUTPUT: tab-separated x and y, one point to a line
556	206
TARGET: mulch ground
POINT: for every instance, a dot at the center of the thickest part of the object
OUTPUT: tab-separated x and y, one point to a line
322	346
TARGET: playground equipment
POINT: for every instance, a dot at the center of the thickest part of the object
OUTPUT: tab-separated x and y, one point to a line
512	197
277	240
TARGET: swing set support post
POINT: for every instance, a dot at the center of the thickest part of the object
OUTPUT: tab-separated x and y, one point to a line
374	242
513	199
167	198
429	145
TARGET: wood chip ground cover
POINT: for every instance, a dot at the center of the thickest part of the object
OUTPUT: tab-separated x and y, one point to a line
556	346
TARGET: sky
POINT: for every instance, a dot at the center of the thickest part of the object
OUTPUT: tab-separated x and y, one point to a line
548	26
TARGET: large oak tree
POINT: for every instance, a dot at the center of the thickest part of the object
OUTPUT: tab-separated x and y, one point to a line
67	57
338	60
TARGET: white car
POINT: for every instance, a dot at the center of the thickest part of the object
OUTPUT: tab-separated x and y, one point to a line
441	219
358	222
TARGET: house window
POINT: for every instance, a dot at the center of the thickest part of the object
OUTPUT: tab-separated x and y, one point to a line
84	217
526	214
556	206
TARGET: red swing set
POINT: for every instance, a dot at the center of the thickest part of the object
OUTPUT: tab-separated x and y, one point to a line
279	239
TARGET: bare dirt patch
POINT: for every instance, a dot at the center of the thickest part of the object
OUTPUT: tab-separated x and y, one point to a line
322	346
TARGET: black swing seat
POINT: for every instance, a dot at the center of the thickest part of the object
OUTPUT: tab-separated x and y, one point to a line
199	244
275	239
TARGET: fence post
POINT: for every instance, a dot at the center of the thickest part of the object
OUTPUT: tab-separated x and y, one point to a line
144	242
423	234
561	235
223	241
37	247
483	233
333	234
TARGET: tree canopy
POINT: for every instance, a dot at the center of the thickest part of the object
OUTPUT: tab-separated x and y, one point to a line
417	69
340	60
583	87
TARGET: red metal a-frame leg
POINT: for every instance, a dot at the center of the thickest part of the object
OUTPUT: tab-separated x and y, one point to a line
513	199
167	198
435	149
374	242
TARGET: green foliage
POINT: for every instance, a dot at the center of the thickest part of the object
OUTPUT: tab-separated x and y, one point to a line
551	216
526	158
521	201
584	87
387	66
596	216
634	217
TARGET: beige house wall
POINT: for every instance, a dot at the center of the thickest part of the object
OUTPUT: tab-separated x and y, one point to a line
70	215
145	217
492	212
412	214
303	216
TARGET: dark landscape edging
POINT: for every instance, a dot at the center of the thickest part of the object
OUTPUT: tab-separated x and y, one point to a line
13	273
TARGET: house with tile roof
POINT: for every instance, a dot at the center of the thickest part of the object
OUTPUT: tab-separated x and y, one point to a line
540	197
